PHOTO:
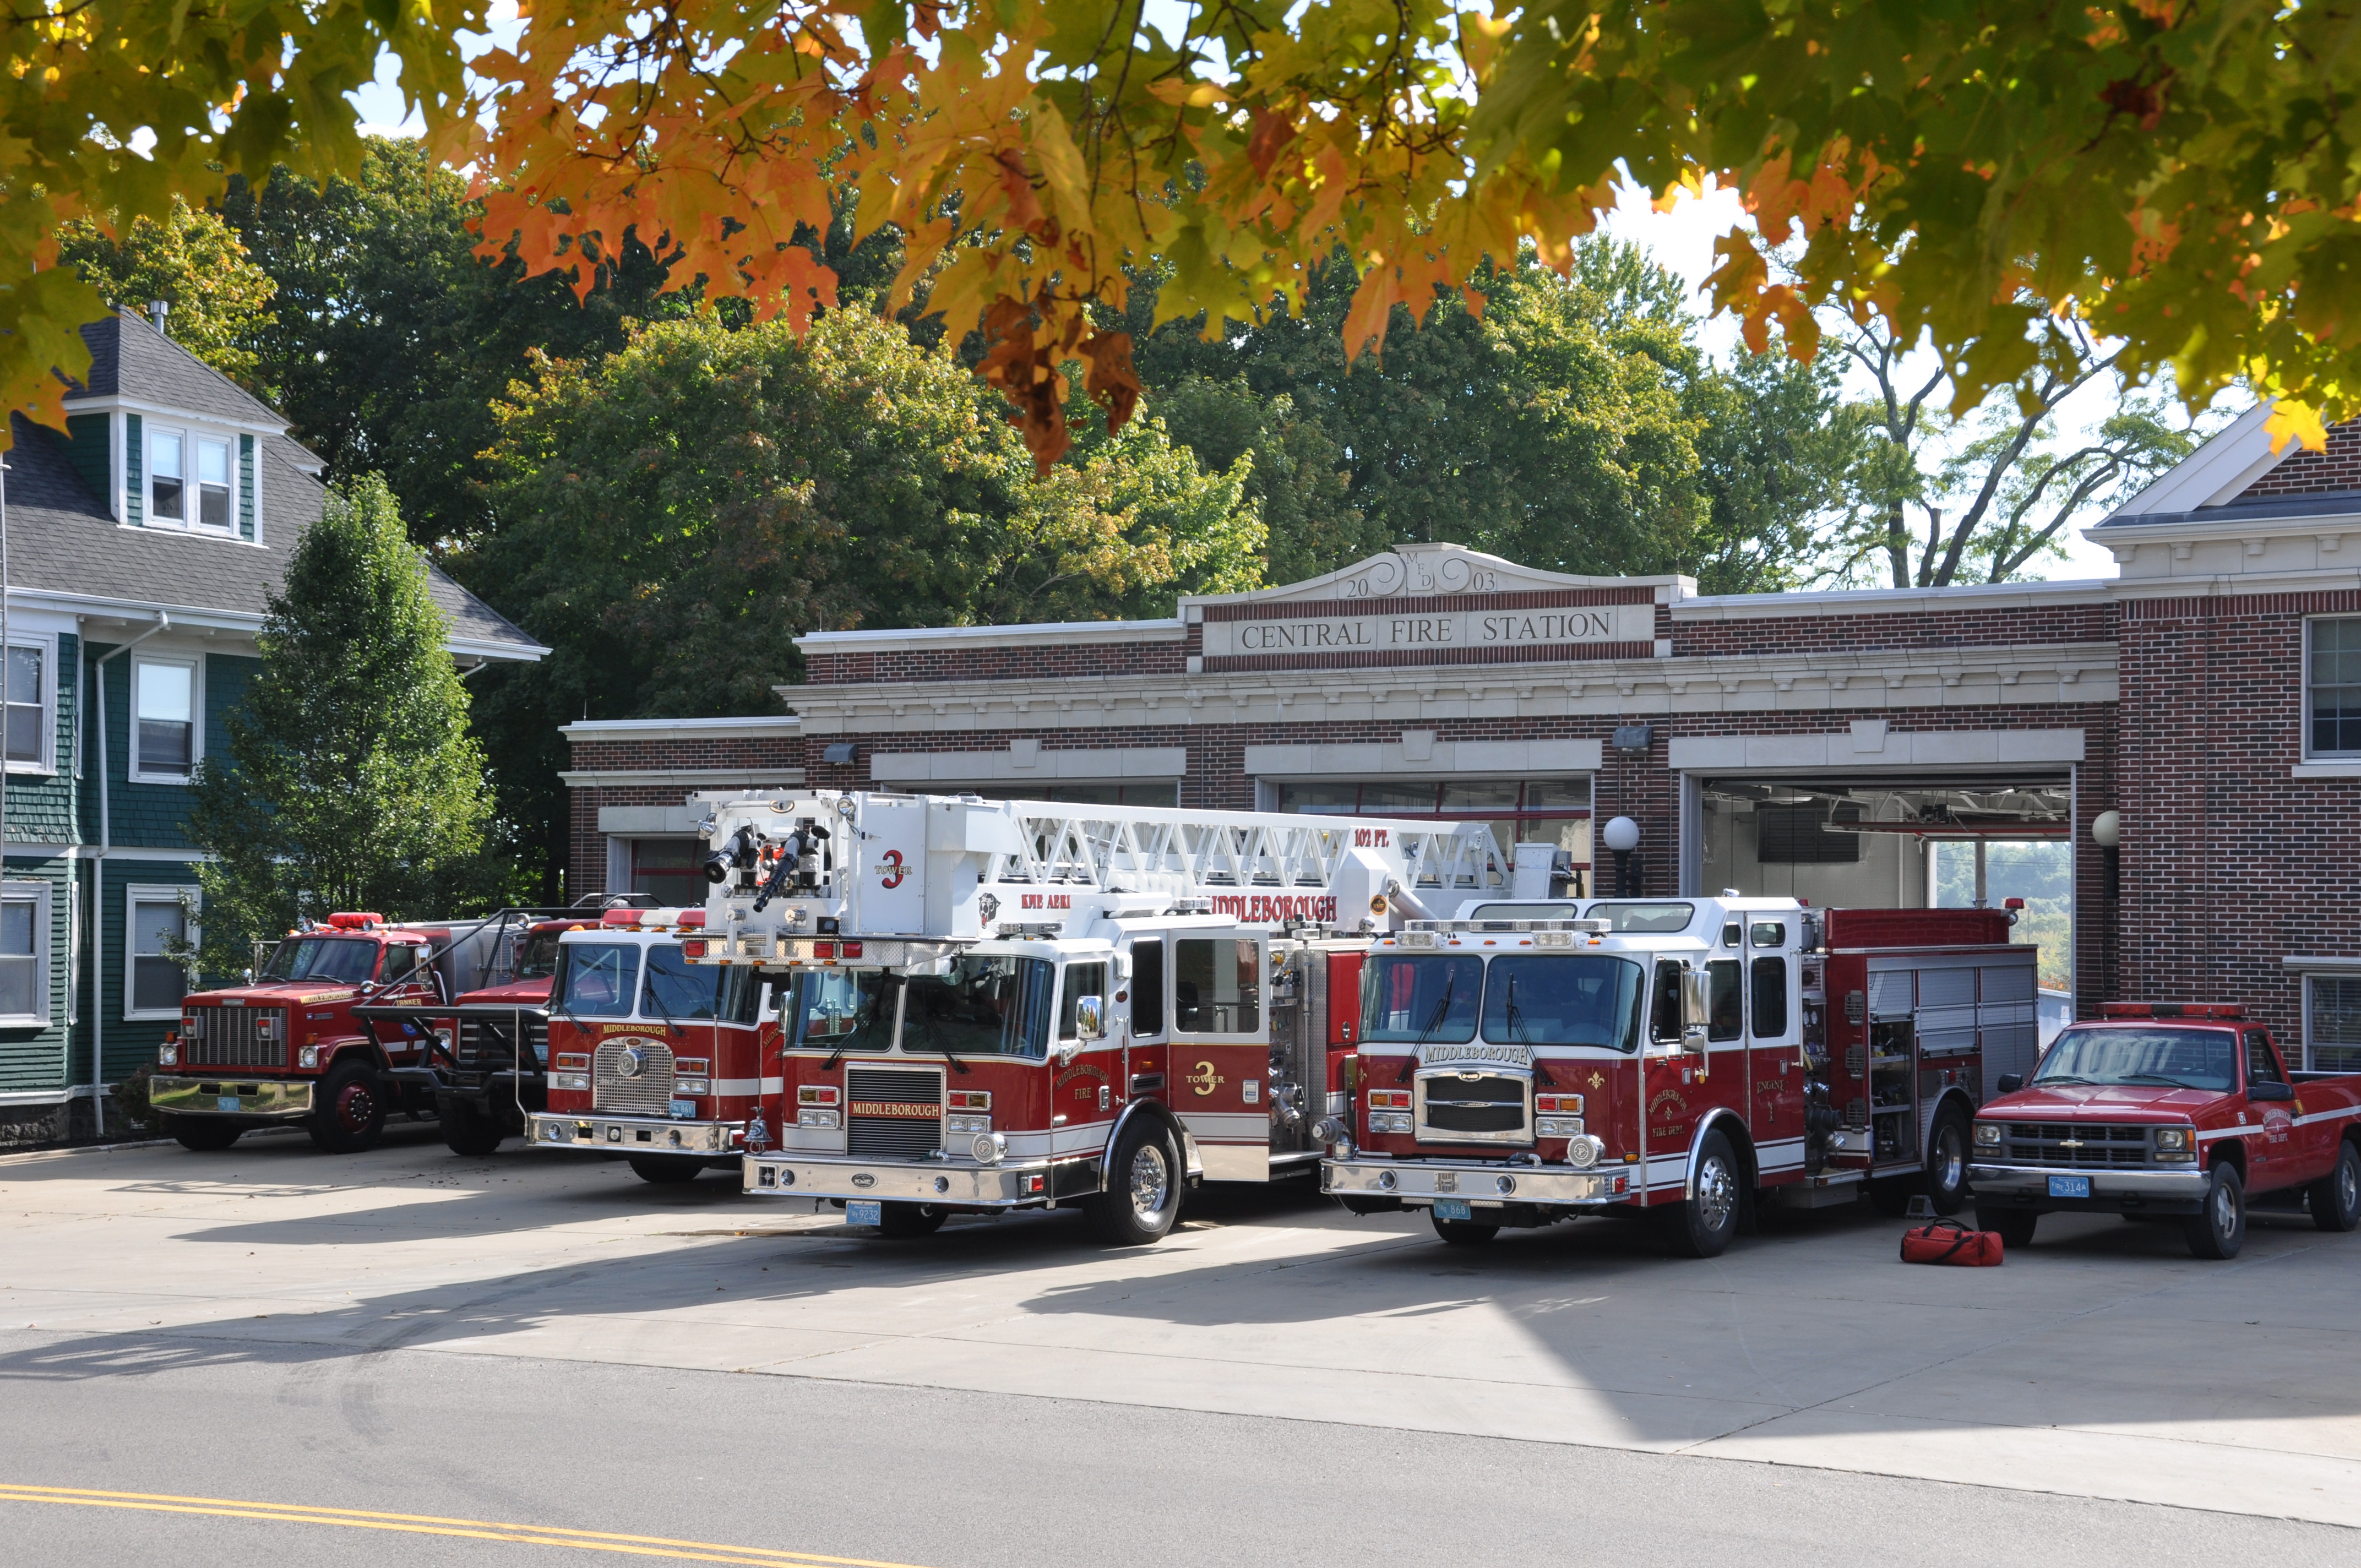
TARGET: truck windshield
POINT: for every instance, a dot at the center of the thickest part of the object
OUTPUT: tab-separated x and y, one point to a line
346	960
1407	999
981	1006
1645	919
842	1010
597	979
536	956
2187	1058
680	991
1576	998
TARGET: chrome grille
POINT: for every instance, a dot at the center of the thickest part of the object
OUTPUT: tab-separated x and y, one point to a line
647	1092
235	1036
1456	1106
485	1043
878	1103
2072	1146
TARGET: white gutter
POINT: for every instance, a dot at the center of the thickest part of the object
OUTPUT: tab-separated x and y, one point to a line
98	892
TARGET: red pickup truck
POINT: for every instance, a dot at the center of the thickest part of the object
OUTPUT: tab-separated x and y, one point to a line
2182	1110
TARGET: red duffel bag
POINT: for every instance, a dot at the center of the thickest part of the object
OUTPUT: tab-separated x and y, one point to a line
1948	1241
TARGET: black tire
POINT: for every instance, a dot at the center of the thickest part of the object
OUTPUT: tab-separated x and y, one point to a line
1463	1232
468	1132
1891	1195
665	1169
347	1110
2220	1230
1947	1161
1143	1195
1702	1226
2013	1226
202	1134
907	1222
2336	1199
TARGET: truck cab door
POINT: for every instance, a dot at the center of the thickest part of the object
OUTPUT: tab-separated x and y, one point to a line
2281	1155
1220	1052
1775	1060
1085	1085
1671	1095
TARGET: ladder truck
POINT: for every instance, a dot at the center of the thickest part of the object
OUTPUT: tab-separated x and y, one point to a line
994	1005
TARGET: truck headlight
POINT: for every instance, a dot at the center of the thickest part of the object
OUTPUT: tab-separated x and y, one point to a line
2172	1137
808	1117
169	1054
1987	1135
1389	1122
308	1059
576	1081
693	1086
966	1125
1558	1127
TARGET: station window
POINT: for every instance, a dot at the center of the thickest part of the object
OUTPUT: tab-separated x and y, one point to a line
165	743
191	480
24	952
2332	1023
27	727
157	921
669	871
2332	698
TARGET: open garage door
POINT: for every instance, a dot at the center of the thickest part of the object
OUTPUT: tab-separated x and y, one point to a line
1883	842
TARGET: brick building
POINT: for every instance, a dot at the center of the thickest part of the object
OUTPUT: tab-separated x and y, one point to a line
1836	746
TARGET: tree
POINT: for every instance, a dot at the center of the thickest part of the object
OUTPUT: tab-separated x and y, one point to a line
1780	451
219	299
351	782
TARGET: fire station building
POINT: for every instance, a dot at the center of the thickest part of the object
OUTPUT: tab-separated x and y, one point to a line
2188	731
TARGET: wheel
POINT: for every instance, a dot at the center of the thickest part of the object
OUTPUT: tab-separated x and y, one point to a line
2013	1226
907	1222
1143	1195
1947	1162
664	1170
467	1131
2221	1228
1464	1233
347	1110
2336	1199
1891	1195
1703	1225
202	1134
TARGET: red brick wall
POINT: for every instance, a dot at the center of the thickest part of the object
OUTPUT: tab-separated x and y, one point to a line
1165	656
2229	863
2315	473
1854	631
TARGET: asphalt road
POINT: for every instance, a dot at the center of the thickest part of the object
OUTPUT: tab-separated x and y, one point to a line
206	1359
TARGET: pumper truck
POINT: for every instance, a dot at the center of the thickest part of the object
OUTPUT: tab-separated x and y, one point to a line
994	1005
1531	1062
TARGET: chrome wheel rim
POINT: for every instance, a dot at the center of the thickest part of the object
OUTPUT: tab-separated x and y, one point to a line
1716	1193
2348	1183
1151	1182
2225	1210
1951	1158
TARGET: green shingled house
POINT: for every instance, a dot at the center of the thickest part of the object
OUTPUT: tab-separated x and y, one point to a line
142	541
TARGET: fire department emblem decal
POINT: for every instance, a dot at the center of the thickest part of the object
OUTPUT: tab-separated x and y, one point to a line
891	871
1597	1080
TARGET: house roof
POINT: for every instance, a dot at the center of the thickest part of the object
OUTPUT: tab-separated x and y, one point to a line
63	545
130	359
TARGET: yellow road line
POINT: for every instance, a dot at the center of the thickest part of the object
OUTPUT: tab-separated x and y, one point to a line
429	1524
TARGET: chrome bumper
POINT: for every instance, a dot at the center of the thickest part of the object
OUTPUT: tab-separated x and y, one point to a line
1419	1182
2108	1188
600	1133
790	1175
278	1100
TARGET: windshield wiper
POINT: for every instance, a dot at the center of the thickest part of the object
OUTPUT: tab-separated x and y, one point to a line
2159	1078
1441	1006
2062	1078
944	1051
1513	1018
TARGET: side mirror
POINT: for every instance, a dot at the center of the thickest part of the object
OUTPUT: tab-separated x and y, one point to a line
2008	1082
1693	1008
1090	1018
2259	1093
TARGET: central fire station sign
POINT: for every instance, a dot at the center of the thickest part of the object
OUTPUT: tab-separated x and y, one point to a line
1429	631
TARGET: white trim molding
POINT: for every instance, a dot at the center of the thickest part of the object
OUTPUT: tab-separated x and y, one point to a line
1057	633
2322	964
1894	749
692	778
1417	754
1026	760
753	726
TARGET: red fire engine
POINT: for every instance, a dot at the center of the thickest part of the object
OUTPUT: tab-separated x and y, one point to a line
998	1005
653	1057
1519	1067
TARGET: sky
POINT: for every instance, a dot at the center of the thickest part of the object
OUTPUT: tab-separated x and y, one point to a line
1680	240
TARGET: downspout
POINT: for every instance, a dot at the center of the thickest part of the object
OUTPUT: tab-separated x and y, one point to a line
98	877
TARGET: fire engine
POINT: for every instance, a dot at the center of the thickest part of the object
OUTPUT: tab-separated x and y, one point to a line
1535	1061
994	1005
651	1056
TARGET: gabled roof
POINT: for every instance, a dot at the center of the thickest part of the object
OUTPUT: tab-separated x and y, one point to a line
130	359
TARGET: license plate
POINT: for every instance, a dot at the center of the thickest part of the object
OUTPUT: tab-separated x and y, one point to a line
225	1102
2069	1186
864	1211
1453	1209
684	1107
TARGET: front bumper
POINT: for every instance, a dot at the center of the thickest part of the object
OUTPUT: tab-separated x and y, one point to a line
1485	1183
1016	1184
594	1132
259	1099
2027	1188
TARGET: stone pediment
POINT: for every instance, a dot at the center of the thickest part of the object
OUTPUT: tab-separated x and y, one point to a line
1426	571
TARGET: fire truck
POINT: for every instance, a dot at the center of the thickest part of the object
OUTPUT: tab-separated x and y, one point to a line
1677	1058
653	1057
994	1005
286	1046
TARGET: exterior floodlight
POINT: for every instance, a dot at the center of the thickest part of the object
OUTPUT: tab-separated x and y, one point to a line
2107	829
1623	835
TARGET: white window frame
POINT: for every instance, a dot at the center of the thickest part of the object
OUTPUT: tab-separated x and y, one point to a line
195	665
134	896
2303	696
188	435
2303	983
48	649
37	893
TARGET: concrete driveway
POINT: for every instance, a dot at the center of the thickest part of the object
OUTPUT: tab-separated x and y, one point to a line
2102	1363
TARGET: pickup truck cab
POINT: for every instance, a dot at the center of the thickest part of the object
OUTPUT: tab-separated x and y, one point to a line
2182	1110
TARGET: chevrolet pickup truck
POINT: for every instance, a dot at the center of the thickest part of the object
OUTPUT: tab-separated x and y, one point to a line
2168	1111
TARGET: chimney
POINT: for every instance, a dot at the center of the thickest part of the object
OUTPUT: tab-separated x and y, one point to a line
156	311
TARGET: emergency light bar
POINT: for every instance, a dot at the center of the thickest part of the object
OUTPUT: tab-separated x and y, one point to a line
2172	1009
